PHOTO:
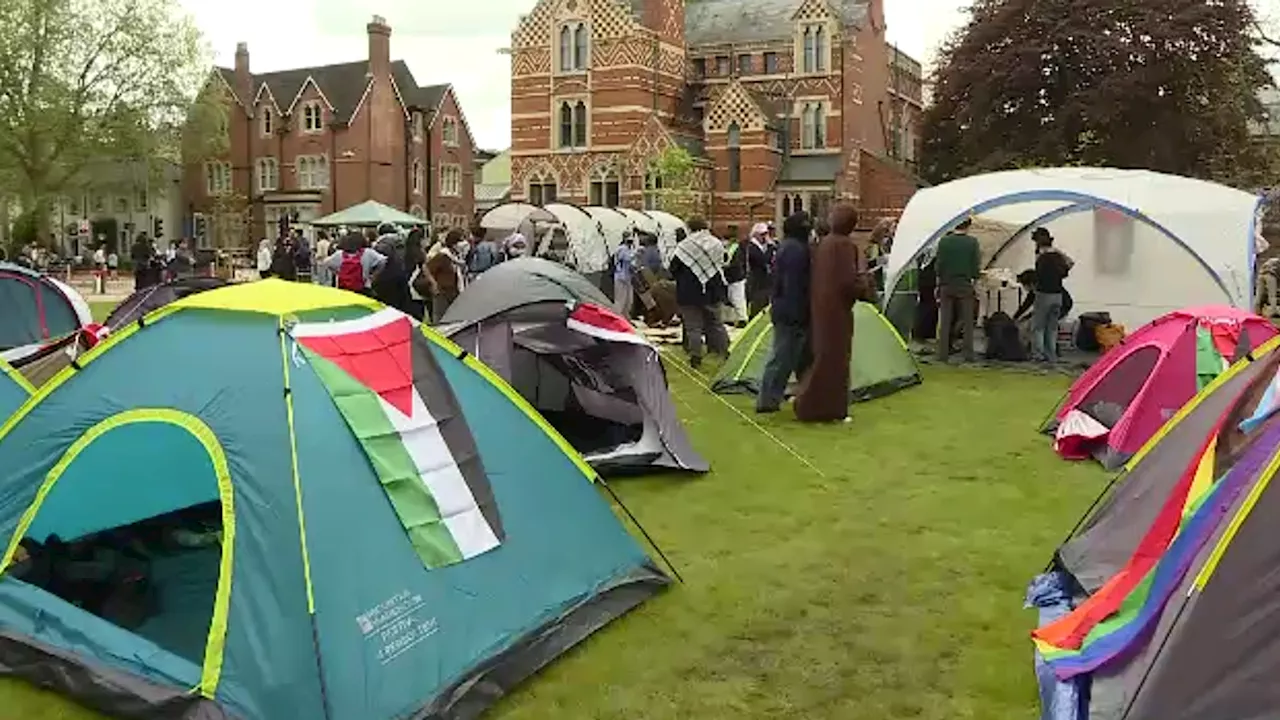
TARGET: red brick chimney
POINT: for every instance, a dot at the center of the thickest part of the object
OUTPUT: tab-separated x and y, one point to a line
244	79
379	46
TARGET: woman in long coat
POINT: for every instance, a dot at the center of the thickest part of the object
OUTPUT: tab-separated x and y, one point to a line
838	280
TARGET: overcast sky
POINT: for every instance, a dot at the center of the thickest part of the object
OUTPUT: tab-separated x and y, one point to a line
457	41
453	41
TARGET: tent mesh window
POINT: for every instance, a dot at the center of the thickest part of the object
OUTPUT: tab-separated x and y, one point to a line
1109	399
552	382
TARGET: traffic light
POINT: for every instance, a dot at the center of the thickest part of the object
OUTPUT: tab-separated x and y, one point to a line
200	227
157	228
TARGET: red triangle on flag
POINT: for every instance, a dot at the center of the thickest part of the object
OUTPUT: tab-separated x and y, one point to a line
380	358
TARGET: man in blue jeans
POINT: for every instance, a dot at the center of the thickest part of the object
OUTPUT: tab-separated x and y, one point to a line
1052	267
789	311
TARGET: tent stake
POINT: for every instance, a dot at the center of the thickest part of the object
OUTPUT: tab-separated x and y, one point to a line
640	527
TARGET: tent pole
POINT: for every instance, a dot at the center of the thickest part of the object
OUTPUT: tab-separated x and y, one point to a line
640	527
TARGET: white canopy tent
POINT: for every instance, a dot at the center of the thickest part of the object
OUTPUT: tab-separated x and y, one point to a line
587	243
668	225
1144	243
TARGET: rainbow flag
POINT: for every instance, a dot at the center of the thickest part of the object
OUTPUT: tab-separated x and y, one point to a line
1125	610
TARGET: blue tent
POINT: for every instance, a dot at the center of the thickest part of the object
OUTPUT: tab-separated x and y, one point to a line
334	513
14	389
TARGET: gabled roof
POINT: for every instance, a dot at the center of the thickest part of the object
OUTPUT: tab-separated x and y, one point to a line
717	22
342	85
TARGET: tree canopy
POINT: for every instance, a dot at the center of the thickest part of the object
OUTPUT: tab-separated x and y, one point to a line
86	81
1168	85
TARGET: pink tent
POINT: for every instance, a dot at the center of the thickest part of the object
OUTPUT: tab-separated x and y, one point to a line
1115	407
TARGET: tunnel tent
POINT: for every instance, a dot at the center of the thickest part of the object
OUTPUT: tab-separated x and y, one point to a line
36	308
337	514
668	227
588	252
515	216
1144	243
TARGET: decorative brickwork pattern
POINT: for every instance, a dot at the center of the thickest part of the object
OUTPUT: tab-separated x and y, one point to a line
734	105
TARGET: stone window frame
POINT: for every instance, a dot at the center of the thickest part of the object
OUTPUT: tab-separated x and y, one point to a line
312	171
579	123
450	180
813	136
266	121
542	179
572	57
598	182
217	178
267	168
821	33
312	110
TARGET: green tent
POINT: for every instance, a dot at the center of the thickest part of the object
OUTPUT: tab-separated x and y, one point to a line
882	363
369	213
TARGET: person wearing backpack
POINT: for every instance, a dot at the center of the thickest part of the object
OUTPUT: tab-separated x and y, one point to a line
484	254
355	265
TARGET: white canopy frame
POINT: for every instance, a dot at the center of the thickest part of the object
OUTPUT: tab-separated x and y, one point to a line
587	238
1193	214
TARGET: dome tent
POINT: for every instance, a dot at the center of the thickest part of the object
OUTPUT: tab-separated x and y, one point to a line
14	389
1168	584
1112	409
549	332
881	363
37	309
1144	243
308	412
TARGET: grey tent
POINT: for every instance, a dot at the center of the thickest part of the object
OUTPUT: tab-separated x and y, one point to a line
1194	517
548	331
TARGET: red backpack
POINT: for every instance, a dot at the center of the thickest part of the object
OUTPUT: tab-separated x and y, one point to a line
351	272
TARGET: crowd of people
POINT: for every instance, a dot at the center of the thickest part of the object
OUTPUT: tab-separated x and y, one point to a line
808	280
405	270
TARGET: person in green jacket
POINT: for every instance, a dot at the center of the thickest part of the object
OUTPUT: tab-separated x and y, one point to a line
958	265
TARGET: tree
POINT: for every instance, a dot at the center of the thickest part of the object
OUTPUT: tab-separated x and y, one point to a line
1168	85
677	171
87	81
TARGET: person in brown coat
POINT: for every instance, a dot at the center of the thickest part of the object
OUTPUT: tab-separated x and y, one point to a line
839	279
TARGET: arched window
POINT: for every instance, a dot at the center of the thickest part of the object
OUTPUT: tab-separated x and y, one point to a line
735	158
652	188
542	189
580	124
808	124
819	126
580	48
417	177
810	50
566	125
786	206
605	189
566	48
819	49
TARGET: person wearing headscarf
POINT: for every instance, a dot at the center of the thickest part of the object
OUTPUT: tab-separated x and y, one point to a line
698	268
735	274
789	311
265	254
420	284
839	279
759	269
446	273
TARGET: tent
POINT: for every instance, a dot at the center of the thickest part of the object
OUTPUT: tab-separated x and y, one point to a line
155	297
547	331
1144	243
589	252
369	213
1123	399
371	525
1161	603
881	364
14	389
37	308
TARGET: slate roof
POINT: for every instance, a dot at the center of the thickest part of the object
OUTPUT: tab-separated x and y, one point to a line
343	84
715	22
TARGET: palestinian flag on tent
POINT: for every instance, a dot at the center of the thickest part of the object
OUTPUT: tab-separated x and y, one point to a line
382	376
1124	611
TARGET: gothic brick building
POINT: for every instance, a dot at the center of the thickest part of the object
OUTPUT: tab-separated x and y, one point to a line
311	141
785	104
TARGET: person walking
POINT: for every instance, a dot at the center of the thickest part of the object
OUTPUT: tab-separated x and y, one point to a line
182	265
140	254
789	312
1051	269
839	278
324	247
265	253
735	275
355	265
958	264
698	268
443	267
484	254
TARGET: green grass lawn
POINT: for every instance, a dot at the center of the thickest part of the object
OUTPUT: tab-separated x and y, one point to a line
101	310
888	587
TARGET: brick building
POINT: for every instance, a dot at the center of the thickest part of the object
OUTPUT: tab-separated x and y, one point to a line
785	104
315	140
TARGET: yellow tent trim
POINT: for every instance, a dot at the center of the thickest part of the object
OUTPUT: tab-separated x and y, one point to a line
516	398
297	479
1259	487
215	644
276	297
17	377
760	317
1258	353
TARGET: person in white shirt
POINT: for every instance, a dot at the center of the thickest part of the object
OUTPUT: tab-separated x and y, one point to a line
264	258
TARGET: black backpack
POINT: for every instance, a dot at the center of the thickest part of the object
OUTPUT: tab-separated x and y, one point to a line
1004	342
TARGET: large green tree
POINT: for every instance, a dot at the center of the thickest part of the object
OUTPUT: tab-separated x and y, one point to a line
88	81
1169	85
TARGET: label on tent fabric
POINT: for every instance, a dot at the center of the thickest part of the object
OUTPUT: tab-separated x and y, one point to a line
397	625
385	383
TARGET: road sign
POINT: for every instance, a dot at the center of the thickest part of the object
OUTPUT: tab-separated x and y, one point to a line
84	228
